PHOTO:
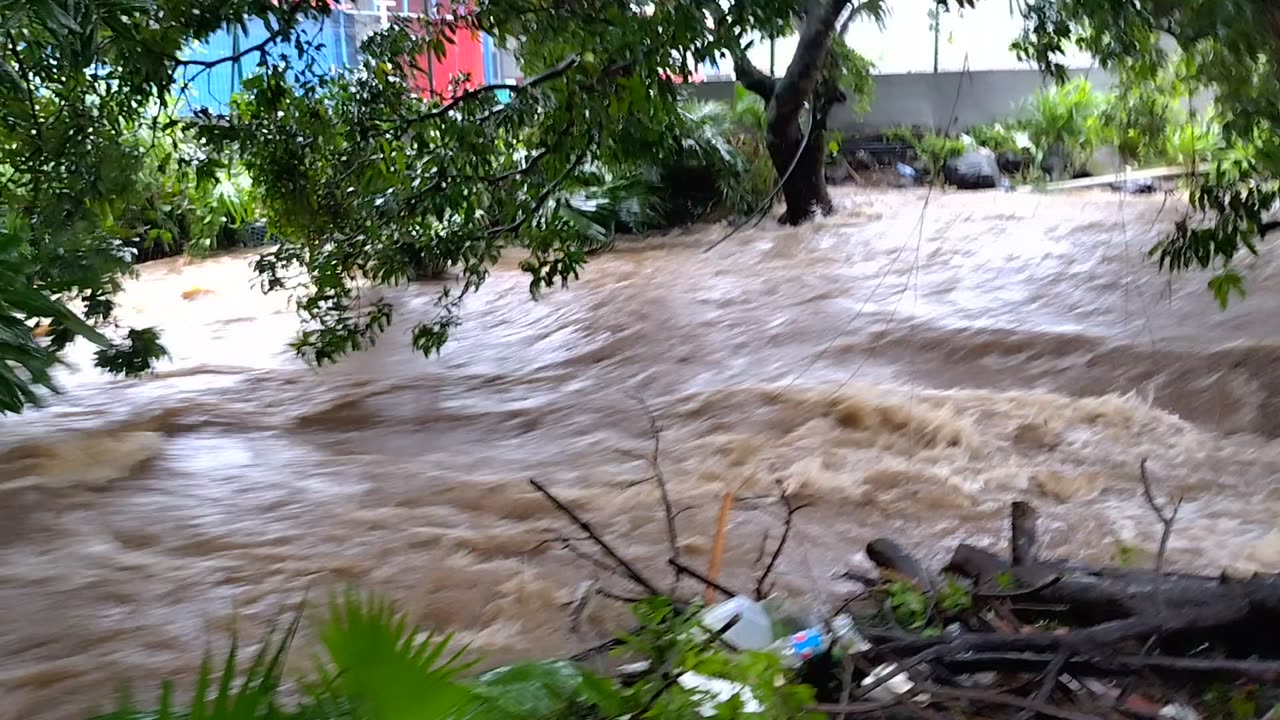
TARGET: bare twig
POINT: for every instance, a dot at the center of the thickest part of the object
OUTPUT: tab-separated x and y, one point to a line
633	574
792	509
579	608
1167	518
858	708
685	569
1262	671
550	541
604	593
594	561
552	73
684	510
655	465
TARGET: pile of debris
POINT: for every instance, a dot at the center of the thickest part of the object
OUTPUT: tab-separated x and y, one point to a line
997	637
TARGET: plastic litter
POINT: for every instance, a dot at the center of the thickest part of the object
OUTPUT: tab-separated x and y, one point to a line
718	690
754	629
804	645
893	688
1178	711
906	171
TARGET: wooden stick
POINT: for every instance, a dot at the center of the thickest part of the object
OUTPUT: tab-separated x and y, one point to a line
717	548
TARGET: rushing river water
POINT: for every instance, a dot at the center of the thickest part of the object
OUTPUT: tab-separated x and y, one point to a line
904	378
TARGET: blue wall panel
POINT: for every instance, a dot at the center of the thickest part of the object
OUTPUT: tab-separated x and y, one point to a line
212	88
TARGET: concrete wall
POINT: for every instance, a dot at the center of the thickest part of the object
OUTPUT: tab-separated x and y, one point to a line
926	100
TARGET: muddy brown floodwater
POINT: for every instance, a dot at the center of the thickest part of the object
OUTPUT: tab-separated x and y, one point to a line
905	379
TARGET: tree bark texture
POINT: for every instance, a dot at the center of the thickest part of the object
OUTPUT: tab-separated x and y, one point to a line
799	160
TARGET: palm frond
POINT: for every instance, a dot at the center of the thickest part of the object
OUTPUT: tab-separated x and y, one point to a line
255	697
383	668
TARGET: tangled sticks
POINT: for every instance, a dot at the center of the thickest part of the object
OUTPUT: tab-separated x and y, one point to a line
1033	636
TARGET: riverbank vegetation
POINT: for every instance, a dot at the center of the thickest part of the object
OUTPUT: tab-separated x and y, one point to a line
1075	130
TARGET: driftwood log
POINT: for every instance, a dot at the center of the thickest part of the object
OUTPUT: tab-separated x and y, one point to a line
1111	618
1101	594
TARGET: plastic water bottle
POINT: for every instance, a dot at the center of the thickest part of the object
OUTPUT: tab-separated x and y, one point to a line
753	630
802	646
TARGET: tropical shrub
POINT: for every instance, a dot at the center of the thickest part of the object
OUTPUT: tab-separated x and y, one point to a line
998	138
188	201
376	665
933	149
1063	126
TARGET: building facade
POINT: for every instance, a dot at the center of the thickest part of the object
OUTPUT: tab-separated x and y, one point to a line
471	59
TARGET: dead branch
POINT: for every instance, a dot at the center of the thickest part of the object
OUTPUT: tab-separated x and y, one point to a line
686	570
792	509
764	546
1085	641
846	682
1115	593
579	607
1167	519
856	708
1048	682
992	697
549	541
632	574
1022	543
1261	671
889	555
594	561
655	465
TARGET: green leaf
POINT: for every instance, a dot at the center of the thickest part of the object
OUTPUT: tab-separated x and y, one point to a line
1224	284
54	12
530	691
36	304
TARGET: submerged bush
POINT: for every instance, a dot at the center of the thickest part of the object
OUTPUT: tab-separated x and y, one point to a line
933	149
1062	124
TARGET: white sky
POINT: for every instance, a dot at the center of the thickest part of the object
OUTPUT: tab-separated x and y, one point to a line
905	43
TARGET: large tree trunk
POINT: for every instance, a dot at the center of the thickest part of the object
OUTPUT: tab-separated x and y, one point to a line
804	188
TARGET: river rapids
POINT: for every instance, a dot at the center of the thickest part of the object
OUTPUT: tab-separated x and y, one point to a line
906	367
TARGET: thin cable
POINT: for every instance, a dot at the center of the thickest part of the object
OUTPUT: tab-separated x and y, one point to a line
964	73
763	208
